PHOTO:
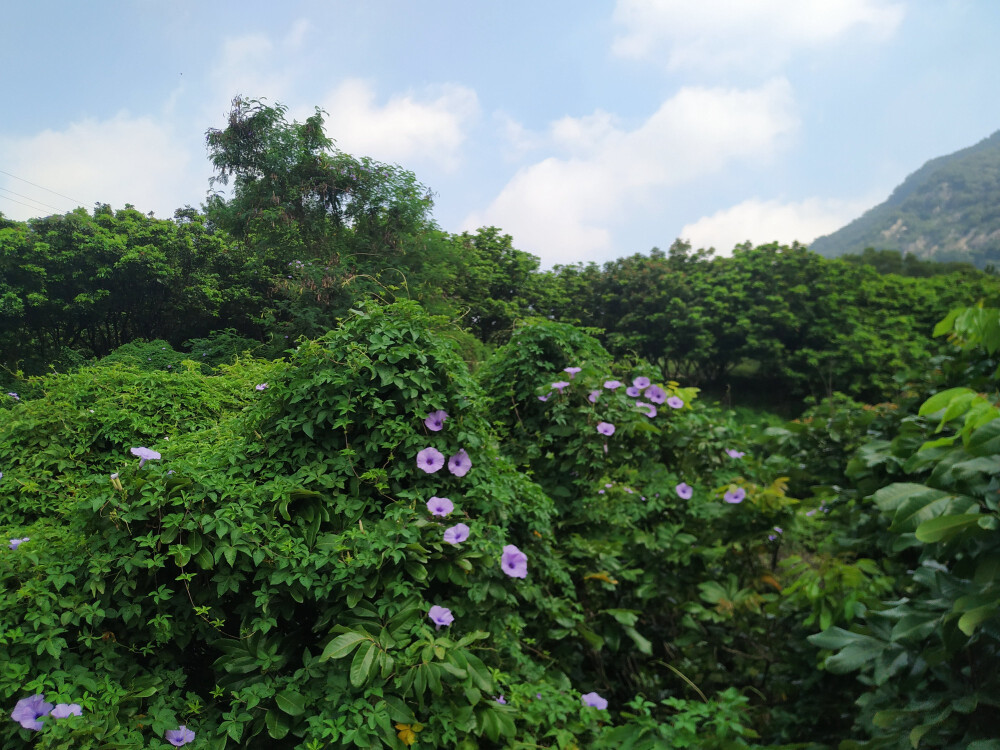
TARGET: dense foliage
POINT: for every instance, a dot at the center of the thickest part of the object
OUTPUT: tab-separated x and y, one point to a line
255	495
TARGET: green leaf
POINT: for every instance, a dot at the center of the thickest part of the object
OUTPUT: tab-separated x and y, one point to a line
944	528
967	623
363	664
641	643
342	645
277	724
291	702
941	400
398	710
986	440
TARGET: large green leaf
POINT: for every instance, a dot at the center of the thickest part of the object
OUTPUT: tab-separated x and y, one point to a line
915	503
986	440
342	645
944	528
291	702
363	664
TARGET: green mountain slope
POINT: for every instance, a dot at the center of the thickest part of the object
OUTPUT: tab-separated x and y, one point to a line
948	210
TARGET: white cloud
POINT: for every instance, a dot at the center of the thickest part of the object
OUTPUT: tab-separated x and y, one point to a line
135	160
762	222
428	128
720	35
563	209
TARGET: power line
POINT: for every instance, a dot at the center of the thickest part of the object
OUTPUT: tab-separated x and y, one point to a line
28	197
33	208
74	200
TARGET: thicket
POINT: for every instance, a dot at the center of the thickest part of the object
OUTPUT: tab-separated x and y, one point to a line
296	517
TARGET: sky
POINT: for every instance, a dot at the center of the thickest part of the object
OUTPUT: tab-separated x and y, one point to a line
587	131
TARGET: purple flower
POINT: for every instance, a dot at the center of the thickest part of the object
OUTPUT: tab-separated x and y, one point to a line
15	543
559	385
656	394
733	453
684	491
514	562
13	395
179	737
430	460
650	409
440	506
500	699
144	455
62	710
545	397
261	386
593	699
808	512
641	382
600	492
779	529
572	371
440	616
612	384
28	711
435	420
735	495
674	402
460	463
592	398
633	392
456	534
606	428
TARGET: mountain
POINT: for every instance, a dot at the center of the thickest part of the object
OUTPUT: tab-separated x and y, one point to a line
948	210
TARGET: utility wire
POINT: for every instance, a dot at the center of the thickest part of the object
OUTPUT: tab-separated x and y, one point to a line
29	198
74	200
33	208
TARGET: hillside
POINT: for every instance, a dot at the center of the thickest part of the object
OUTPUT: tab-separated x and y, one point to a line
948	210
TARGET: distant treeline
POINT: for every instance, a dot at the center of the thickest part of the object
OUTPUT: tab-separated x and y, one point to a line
309	231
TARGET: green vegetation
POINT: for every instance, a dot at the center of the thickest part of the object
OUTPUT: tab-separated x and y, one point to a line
302	470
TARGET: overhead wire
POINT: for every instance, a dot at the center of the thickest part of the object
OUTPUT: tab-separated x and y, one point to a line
28	197
42	187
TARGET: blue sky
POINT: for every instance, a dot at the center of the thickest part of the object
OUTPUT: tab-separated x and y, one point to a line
586	130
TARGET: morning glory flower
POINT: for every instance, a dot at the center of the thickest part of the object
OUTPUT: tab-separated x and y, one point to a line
735	495
261	386
650	409
674	402
440	616
13	395
62	710
684	491
514	562
430	460
545	397
656	394
440	506
15	543
593	699
144	455
560	385
733	453
179	737
779	529
501	700
606	428
641	382
612	384
456	534
28	711
572	371
435	420
460	463
633	392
